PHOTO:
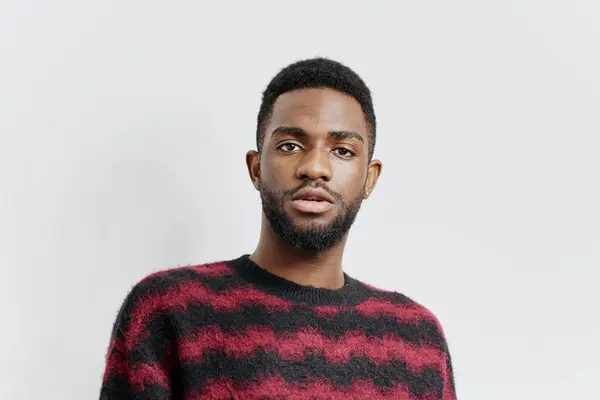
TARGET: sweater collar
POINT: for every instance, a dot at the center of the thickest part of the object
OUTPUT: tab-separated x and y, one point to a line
352	293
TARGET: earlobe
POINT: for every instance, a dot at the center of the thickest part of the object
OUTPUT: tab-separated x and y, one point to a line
257	179
373	174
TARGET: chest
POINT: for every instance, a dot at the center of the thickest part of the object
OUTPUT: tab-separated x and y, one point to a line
300	356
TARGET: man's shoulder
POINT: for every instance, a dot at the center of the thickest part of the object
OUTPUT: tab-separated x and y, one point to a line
171	284
186	273
390	302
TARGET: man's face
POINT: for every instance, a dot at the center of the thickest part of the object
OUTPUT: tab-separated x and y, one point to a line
313	167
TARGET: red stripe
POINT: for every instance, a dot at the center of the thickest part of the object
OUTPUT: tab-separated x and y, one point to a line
216	269
448	391
374	307
329	311
380	351
137	375
148	374
114	366
411	312
179	297
276	386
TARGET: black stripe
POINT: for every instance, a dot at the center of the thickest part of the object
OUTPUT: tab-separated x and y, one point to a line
160	283
158	347
266	364
118	389
184	323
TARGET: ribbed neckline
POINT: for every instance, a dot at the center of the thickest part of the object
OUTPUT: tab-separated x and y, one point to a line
352	293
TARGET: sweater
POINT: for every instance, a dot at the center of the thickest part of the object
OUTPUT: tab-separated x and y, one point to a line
232	330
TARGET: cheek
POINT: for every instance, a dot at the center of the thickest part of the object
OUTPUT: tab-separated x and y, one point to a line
277	173
351	182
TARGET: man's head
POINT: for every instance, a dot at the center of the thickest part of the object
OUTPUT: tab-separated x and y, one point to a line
315	136
317	73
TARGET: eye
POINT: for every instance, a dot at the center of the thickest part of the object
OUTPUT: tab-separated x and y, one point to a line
288	147
343	152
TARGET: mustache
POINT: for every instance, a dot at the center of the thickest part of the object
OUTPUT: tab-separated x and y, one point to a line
318	185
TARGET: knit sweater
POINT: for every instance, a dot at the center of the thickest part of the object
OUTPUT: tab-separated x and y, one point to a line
232	330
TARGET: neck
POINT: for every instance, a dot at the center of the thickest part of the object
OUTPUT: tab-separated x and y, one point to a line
306	268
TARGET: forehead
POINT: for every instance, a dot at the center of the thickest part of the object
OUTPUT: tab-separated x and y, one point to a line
318	110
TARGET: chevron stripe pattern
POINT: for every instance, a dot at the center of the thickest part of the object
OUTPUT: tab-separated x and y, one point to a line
231	330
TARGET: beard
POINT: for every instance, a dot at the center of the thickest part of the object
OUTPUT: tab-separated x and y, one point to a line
314	237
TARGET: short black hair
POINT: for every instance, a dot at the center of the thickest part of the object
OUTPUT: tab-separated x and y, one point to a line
316	73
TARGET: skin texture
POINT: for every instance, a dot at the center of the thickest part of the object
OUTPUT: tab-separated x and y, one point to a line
315	138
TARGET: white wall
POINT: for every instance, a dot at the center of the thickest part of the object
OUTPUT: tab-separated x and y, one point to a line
124	126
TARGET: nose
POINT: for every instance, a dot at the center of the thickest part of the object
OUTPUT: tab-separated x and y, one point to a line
315	164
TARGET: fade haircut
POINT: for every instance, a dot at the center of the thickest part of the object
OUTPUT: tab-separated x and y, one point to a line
316	73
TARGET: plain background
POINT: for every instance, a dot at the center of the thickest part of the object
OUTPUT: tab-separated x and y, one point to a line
124	126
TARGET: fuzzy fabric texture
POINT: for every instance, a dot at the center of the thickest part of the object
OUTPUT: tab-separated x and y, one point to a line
231	330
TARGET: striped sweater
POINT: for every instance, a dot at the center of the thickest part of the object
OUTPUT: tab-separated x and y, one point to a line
232	330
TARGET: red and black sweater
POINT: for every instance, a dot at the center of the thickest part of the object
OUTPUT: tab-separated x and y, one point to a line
232	330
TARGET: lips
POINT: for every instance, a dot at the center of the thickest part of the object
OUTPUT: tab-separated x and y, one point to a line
312	201
313	194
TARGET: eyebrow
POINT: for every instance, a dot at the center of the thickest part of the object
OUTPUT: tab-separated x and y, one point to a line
301	133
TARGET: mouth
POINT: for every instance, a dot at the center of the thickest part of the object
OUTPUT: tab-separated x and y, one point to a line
312	204
312	200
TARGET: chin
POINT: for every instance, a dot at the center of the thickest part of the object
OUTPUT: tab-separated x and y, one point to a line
310	218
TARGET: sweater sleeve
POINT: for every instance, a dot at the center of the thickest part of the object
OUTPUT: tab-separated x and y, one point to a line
137	364
449	388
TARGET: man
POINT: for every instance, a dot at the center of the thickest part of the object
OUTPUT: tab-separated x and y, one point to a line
286	322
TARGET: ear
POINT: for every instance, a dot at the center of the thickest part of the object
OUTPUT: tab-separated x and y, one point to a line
373	173
253	164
